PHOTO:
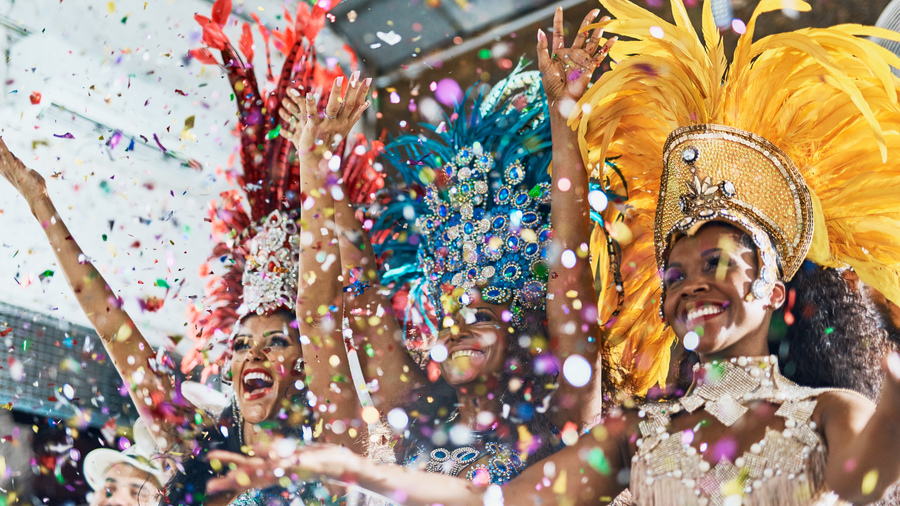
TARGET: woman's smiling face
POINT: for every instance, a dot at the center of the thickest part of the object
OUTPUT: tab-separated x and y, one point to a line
707	280
475	338
265	350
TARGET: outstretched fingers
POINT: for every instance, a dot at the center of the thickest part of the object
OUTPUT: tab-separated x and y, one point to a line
543	53
582	33
558	29
362	104
596	37
335	101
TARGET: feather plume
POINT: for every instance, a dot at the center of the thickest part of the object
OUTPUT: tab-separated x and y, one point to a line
826	97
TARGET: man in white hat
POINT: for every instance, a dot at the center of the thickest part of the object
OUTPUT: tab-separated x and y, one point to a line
133	477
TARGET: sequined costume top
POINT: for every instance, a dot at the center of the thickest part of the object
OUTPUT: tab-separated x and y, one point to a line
786	467
498	462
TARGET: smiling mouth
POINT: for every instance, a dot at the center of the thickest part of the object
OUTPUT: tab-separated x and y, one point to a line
256	383
704	312
465	353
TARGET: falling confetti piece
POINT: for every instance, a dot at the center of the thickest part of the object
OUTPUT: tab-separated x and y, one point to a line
6	332
448	92
35	97
155	138
273	133
66	135
390	37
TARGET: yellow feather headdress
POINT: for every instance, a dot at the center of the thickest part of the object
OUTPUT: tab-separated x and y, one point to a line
825	99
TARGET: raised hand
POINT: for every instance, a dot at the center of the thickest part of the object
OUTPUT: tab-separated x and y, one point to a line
566	71
27	182
308	129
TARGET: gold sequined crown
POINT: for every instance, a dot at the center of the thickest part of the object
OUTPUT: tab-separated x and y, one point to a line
714	172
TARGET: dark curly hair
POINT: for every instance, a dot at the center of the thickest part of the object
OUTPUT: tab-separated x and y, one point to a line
831	336
431	406
837	338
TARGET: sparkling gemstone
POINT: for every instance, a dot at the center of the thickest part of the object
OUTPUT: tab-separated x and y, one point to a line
690	154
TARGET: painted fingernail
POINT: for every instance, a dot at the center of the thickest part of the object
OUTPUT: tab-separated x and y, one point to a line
354	78
294	92
540	34
368	81
594	13
339	81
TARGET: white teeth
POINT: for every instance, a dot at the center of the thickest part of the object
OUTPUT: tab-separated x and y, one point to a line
704	311
258	376
464	353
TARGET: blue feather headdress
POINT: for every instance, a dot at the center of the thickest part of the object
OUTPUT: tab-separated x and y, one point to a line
477	213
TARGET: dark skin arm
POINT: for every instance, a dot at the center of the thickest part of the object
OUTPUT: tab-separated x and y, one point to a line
571	297
584	473
863	439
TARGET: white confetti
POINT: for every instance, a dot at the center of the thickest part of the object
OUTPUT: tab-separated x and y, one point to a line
691	340
577	370
390	38
439	353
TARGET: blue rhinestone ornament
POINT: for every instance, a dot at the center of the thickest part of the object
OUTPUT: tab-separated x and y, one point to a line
486	229
475	202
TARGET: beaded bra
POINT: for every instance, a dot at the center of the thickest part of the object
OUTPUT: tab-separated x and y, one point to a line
785	468
503	465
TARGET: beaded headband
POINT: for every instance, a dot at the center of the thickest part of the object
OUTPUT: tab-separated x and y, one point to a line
719	173
270	266
492	240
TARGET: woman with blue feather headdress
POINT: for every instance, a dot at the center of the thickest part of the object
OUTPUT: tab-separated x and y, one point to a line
503	299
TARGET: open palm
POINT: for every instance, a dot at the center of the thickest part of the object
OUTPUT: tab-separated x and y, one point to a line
567	71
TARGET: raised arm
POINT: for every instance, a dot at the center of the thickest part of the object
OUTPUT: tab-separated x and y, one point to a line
572	316
320	307
863	440
150	391
377	332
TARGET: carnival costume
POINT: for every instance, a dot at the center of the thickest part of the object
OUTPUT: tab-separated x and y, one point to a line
475	215
795	143
259	250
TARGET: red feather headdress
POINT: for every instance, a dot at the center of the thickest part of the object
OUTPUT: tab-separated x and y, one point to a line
270	178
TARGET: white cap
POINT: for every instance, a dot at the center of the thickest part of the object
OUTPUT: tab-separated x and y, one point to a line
140	455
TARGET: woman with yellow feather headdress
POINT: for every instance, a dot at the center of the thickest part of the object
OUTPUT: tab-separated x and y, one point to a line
780	157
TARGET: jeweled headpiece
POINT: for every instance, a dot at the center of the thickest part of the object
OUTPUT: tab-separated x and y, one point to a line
790	142
717	173
481	219
258	249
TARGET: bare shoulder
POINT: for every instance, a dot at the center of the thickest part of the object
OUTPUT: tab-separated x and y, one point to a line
842	407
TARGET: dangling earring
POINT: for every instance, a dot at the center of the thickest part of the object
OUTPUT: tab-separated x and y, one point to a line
298	366
236	413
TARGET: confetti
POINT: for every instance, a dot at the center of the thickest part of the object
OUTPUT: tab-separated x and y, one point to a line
390	38
691	340
66	135
35	97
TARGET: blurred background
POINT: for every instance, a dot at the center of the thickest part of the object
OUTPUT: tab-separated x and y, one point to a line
136	138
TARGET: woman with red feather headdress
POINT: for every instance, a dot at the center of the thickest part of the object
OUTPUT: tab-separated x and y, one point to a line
250	321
